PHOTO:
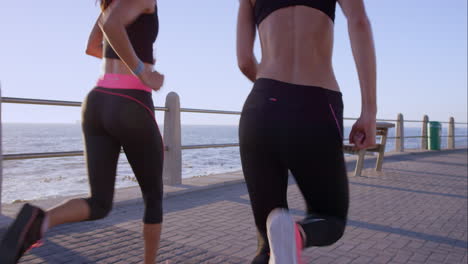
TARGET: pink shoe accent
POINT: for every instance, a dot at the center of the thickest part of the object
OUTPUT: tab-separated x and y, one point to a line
39	243
122	81
299	243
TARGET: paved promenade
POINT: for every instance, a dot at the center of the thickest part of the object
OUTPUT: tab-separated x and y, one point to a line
415	211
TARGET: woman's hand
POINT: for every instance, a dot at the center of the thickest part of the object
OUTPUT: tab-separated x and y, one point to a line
152	79
363	132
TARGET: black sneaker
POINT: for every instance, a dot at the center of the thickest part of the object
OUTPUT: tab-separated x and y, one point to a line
261	258
23	234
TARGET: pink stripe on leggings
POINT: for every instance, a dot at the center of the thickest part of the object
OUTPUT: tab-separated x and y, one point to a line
131	98
140	103
336	120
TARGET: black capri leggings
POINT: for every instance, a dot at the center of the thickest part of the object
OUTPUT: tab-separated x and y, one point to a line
115	118
298	128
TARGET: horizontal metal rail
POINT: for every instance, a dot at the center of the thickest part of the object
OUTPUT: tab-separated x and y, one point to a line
406	137
205	111
387	120
228	145
42	155
13	100
380	120
443	136
62	154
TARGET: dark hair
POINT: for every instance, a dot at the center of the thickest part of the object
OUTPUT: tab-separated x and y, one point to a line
104	4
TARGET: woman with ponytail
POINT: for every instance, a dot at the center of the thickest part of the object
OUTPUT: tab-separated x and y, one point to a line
117	113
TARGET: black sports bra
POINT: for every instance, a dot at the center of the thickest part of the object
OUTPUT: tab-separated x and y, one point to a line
264	8
142	34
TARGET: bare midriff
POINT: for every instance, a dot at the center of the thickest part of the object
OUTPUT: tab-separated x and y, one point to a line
116	66
297	47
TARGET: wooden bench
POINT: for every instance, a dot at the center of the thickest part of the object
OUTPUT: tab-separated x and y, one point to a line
382	131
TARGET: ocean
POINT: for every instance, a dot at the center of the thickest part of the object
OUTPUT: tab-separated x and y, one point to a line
40	178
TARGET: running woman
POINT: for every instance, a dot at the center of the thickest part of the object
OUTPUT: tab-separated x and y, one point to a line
117	113
293	119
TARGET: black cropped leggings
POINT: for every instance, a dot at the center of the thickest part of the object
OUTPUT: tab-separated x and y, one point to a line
116	118
298	128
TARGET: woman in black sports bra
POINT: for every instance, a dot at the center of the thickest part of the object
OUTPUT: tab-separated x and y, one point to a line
118	113
293	119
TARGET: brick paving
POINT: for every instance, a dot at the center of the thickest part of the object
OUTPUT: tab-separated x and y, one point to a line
415	211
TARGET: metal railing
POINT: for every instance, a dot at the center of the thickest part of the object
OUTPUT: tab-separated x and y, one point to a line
42	155
205	111
172	123
15	100
172	167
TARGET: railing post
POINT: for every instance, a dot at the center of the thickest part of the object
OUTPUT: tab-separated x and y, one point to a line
172	173
424	132
451	134
1	150
400	134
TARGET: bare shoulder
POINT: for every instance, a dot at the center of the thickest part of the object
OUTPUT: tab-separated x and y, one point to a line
352	8
148	6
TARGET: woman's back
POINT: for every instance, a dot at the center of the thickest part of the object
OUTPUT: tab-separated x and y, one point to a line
297	45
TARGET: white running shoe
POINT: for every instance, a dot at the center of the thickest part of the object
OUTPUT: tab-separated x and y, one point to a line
284	238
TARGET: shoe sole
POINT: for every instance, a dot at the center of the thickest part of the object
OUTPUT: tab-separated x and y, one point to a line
282	237
16	233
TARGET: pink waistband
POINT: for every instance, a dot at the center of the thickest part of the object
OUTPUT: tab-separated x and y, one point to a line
122	81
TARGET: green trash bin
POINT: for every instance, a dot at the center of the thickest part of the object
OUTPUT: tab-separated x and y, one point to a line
434	133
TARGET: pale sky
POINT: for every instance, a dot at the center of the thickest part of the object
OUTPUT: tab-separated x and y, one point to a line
421	52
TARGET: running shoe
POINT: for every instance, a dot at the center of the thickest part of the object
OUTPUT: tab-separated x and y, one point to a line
284	238
23	234
261	258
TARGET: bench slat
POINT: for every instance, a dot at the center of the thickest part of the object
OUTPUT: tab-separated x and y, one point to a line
381	132
384	125
348	148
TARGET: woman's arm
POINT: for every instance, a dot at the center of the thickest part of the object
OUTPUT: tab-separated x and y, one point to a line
94	46
112	23
362	44
245	40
